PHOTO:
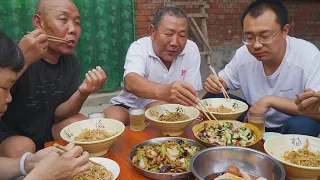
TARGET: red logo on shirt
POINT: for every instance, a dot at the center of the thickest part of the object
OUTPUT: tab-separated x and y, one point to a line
183	72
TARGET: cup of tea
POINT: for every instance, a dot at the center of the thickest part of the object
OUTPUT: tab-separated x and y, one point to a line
137	119
257	119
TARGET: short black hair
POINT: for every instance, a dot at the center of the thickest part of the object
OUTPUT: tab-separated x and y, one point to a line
172	10
258	7
10	54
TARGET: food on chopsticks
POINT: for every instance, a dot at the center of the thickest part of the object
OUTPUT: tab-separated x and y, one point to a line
233	172
96	172
303	156
219	109
226	134
167	157
174	116
88	135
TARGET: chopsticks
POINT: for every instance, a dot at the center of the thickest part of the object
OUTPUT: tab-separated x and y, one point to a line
203	108
56	39
317	94
64	149
226	96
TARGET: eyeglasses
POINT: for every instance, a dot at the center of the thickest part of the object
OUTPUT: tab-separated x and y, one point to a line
262	40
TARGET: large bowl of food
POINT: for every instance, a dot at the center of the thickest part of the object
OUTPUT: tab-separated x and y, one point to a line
172	119
94	135
299	154
164	158
226	133
224	109
235	163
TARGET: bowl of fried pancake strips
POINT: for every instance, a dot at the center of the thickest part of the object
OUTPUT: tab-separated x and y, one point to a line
95	136
223	108
172	119
299	155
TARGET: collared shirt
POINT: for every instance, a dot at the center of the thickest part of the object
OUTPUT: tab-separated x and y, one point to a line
141	59
299	69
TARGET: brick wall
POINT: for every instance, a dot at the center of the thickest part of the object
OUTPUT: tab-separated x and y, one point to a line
224	19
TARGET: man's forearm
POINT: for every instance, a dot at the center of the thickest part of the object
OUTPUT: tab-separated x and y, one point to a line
9	168
71	107
143	88
287	106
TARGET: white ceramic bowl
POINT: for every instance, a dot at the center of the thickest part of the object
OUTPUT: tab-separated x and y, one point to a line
171	128
94	148
276	147
236	110
111	165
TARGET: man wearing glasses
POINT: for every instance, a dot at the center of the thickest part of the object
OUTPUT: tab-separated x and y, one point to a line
271	68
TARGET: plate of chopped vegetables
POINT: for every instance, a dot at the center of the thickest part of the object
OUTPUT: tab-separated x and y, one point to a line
227	133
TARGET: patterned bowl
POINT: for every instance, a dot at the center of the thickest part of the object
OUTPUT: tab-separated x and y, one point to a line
94	148
276	147
237	110
175	128
199	127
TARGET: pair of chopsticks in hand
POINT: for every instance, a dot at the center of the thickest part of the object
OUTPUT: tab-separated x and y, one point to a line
317	94
63	149
226	96
201	107
56	39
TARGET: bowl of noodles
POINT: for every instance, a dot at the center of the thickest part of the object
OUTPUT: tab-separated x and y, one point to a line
223	109
172	119
226	133
94	135
100	168
299	155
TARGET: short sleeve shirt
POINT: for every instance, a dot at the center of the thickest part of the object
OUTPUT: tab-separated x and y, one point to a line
141	59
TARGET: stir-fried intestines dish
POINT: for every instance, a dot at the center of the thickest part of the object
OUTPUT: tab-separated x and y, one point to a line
303	156
167	157
88	135
226	134
96	172
219	109
174	116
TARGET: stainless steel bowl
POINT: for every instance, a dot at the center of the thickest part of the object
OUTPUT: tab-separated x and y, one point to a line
217	159
161	176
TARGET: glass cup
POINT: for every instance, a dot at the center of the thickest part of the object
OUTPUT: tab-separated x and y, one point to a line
137	119
96	115
258	120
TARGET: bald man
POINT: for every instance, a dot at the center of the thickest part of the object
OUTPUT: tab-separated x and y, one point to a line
48	95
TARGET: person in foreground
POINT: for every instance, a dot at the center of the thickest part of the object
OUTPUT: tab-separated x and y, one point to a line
48	95
44	164
271	68
161	68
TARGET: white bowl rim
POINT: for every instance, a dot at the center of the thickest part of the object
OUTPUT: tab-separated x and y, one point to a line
285	162
96	159
174	122
231	113
94	142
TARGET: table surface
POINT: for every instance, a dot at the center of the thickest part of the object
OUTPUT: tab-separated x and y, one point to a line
119	151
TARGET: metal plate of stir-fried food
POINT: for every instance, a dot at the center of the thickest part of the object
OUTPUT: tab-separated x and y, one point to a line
164	158
167	157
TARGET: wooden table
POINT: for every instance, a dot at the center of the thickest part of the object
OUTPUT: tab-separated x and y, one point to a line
119	151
